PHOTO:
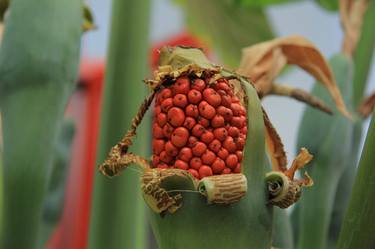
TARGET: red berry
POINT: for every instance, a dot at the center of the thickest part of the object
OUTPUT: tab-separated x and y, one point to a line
218	166
226	100
204	122
163	166
194	96
199	148
237	169
239	155
165	157
240	143
180	100
162	119
235	99
189	123
182	85
180	137
198	84
167	130
223	153
221	133
192	111
195	163
155	160
215	145
238	121
194	173
217	121
244	130
231	161
179	164
226	171
225	112
207	137
206	110
166	104
208	157
212	97
164	94
230	145
185	154
157	146
176	116
157	131
233	131
198	130
236	109
204	171
223	86
157	110
192	140
170	149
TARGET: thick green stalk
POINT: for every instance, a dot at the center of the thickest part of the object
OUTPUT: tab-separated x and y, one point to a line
363	54
358	226
282	234
38	67
117	219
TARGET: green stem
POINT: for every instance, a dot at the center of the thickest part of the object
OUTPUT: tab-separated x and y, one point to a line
358	226
38	67
117	219
363	54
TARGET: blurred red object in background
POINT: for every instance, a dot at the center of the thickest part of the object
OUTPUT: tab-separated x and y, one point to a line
84	108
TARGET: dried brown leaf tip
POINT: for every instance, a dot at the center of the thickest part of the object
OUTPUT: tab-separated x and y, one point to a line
263	62
367	106
351	14
283	189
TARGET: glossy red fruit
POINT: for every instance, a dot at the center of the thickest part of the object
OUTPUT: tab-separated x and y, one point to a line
204	122
157	110
206	110
195	163
237	169
207	137
194	173
192	140
179	164
180	137
218	166
170	149
231	161
212	97
226	100
204	171
198	130
176	116
239	155
182	85
164	157
225	112
180	100
223	86
233	131
208	157
217	121
235	99
192	111
157	146
215	145
185	154
236	109
240	143
166	104
189	123
226	171
162	166
223	153
194	96
229	144
155	161
157	131
221	134
167	130
199	148
164	94
238	122
198	84
161	119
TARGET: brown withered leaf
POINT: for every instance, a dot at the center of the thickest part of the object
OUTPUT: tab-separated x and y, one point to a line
263	62
367	106
275	147
351	14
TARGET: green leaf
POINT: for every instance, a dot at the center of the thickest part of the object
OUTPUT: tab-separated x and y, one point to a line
226	27
282	235
358	227
117	219
263	3
331	5
243	225
329	139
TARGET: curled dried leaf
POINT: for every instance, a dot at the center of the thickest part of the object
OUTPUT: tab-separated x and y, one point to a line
367	106
352	13
263	62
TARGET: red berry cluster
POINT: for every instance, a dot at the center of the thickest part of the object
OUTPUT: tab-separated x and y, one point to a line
198	127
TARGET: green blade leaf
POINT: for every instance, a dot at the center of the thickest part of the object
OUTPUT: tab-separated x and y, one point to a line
331	5
226	27
262	3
